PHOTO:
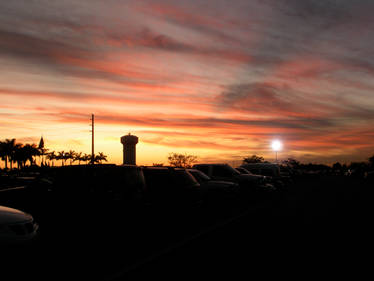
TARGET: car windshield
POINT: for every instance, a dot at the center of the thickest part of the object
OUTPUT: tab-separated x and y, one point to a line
242	171
157	178
199	176
231	170
184	178
268	172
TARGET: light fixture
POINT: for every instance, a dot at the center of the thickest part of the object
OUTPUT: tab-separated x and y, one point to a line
276	145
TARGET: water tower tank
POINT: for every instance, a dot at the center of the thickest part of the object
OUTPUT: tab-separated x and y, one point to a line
129	149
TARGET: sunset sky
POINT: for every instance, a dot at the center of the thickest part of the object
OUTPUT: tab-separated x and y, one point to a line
217	79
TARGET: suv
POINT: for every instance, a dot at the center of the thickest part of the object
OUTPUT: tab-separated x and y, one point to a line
224	172
171	186
100	182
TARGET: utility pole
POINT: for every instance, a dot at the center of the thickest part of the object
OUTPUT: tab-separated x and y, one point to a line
93	135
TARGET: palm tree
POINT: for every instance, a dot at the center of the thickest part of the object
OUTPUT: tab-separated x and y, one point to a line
7	149
61	156
30	150
100	157
70	155
2	150
86	157
19	155
52	156
78	157
16	155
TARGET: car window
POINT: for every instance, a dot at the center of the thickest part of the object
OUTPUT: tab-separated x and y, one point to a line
223	171
200	176
254	171
183	178
242	170
157	179
267	172
204	169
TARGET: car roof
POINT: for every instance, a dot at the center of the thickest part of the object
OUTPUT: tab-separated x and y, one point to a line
260	164
213	164
163	168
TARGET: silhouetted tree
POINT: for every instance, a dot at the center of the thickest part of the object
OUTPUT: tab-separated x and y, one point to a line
371	161
42	150
7	149
19	156
78	157
337	166
359	168
2	151
52	156
70	156
157	164
253	159
86	157
291	163
30	151
181	160
61	155
100	157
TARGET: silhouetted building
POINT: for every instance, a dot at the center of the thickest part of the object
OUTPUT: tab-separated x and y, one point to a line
41	143
129	149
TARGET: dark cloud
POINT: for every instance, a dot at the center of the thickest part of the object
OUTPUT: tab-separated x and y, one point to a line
253	97
324	29
192	143
269	99
212	23
300	125
30	47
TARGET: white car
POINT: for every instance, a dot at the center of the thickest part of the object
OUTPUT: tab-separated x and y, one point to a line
16	226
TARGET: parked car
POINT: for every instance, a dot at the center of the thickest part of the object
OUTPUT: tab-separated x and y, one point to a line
99	182
243	171
215	193
171	186
213	189
271	170
265	169
16	227
225	172
208	183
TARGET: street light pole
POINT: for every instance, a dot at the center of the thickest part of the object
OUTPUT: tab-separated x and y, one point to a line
276	146
93	135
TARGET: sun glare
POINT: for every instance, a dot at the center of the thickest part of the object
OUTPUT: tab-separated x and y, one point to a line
276	145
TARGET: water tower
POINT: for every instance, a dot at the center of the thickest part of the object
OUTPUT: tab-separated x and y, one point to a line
129	149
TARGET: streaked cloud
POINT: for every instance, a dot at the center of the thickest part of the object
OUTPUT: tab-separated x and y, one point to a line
222	77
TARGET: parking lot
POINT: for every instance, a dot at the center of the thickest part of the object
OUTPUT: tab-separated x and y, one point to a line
327	216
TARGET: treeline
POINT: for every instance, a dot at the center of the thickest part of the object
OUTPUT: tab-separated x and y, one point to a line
354	168
19	154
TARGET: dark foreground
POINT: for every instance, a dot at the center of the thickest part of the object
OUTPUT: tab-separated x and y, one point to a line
320	227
